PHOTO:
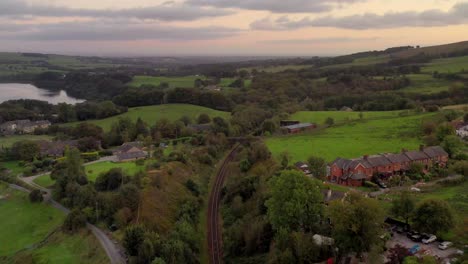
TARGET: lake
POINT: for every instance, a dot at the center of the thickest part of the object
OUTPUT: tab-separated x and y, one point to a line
14	91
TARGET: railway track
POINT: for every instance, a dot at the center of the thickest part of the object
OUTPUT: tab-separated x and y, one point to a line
214	234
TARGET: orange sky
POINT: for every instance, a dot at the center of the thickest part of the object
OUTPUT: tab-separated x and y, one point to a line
344	28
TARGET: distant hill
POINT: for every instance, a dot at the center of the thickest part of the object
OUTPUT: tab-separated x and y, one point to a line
441	50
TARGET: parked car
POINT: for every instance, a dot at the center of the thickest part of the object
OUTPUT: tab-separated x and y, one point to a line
430	239
416	237
444	245
414	249
380	183
410	233
400	229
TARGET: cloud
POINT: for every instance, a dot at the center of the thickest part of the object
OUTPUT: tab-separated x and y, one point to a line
311	41
168	11
276	6
115	31
429	18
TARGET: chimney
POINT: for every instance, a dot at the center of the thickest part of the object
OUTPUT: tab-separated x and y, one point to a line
366	157
421	147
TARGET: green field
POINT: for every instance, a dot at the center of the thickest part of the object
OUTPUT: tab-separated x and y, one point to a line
8	141
64	248
447	65
426	84
174	82
279	68
22	224
319	117
352	139
151	114
93	171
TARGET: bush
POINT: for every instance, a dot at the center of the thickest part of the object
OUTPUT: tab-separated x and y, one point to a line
36	196
370	184
105	152
90	156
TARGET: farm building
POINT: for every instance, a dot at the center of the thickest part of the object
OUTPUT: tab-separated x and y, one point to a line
354	172
293	129
284	123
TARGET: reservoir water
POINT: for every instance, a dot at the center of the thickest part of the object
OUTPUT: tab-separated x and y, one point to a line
14	91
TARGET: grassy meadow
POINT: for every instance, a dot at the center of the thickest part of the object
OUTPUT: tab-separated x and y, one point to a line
352	139
22	223
64	248
174	82
151	114
426	84
8	141
319	117
447	65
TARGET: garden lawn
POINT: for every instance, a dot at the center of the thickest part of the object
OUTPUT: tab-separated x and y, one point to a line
351	140
13	166
8	141
93	171
22	223
319	117
151	114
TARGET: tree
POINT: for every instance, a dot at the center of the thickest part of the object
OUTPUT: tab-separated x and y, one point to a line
203	119
269	126
68	173
403	206
284	158
74	221
141	127
397	254
329	121
36	196
186	120
295	203
433	216
220	126
357	223
109	180
444	130
452	144
133	238
317	167
25	150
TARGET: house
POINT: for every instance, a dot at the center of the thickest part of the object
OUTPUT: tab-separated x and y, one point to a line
354	172
56	148
25	126
302	166
346	109
130	151
297	128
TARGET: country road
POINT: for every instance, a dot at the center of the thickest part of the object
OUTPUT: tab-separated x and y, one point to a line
214	235
112	249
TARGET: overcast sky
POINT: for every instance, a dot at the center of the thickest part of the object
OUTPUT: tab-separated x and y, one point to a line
227	27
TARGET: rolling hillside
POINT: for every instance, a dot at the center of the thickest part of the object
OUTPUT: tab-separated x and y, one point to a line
151	114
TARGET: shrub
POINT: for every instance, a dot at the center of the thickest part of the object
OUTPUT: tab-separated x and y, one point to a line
36	196
370	184
105	152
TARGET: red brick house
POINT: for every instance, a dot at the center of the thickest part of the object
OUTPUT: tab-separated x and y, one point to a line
354	172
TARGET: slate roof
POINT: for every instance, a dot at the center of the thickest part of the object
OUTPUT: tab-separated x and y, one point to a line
301	164
55	148
416	155
131	155
435	151
358	176
378	160
301	125
397	158
346	163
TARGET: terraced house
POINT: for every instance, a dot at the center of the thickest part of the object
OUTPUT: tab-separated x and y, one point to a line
354	172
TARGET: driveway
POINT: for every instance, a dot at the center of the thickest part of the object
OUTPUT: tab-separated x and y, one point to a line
430	249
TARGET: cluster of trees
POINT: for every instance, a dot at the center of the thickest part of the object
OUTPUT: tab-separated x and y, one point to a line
40	110
431	216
